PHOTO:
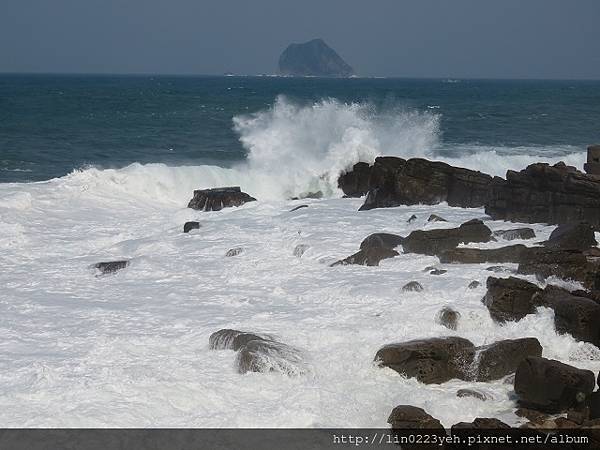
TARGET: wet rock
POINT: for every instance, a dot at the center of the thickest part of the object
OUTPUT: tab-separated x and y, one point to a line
474	284
219	198
189	226
438	272
495	361
551	386
462	393
370	256
481	423
260	355
448	318
545	194
298	207
580	415
434	242
577	316
395	182
300	249
412	218
240	340
509	299
509	254
517	233
436	218
532	415
572	236
109	267
384	240
412	286
434	360
500	269
234	251
410	417
355	183
223	339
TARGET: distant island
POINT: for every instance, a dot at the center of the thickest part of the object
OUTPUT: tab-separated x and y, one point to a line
313	59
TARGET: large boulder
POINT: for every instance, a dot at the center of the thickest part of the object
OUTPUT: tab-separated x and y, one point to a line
395	182
551	386
265	355
218	198
555	194
577	316
405	417
508	254
511	299
385	240
572	236
502	358
313	59
370	256
435	242
355	183
434	360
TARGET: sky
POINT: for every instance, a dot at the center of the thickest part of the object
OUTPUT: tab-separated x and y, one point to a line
401	38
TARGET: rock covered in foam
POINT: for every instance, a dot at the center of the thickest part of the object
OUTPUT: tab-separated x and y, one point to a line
262	355
370	256
111	266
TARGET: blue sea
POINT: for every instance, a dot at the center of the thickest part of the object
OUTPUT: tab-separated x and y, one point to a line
51	125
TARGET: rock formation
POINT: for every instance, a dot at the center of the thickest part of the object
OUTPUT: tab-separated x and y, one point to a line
313	59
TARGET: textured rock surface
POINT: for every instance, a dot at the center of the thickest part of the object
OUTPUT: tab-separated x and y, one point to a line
313	58
385	240
111	266
509	299
218	198
370	256
435	242
508	254
517	233
410	417
572	236
502	358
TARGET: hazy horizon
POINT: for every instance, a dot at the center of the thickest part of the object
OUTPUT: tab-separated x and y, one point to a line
466	39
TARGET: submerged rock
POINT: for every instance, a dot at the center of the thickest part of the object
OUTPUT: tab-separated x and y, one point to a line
412	286
517	233
438	272
298	207
474	284
189	226
219	198
411	219
111	266
462	393
551	386
436	218
234	251
261	355
448	318
300	249
370	256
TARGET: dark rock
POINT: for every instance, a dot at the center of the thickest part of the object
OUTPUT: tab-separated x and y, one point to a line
593	402
438	272
448	318
298	207
429	268
355	183
242	339
305	195
300	249
577	316
370	256
502	358
434	242
474	284
481	424
462	393
517	233
223	339
509	254
260	355
436	218
234	251
313	59
412	286
532	415
219	198
111	266
384	240
551	386
580	415
395	182
500	269
412	218
511	298
410	417
434	360
545	194
189	226
572	236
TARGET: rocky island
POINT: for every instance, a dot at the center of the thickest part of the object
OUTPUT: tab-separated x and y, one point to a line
313	59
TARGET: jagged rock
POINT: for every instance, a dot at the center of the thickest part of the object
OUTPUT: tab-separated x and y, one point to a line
474	284
572	236
111	266
448	318
438	272
242	339
189	226
434	242
298	207
481	423
509	299
411	219
500	269
234	251
395	182
436	218
219	198
300	249
313	59
577	316
370	256
412	286
261	355
502	358
509	254
462	393
551	386
545	194
517	233
434	360
405	417
385	240
355	183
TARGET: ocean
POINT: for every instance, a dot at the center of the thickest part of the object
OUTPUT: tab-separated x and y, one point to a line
101	168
